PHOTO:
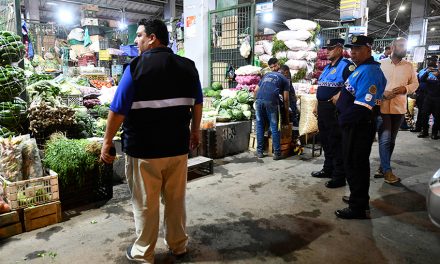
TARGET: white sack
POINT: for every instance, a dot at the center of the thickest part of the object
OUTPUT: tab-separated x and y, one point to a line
248	70
259	50
294	35
296	64
281	55
308	122
297	55
300	24
296	45
263	58
311	55
268	47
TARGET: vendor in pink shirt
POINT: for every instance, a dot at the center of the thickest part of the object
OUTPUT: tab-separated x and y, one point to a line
401	81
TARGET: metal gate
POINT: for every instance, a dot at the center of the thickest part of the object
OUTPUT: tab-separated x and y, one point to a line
380	44
8	15
332	33
228	28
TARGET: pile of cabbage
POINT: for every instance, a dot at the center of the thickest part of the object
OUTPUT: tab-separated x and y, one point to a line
234	105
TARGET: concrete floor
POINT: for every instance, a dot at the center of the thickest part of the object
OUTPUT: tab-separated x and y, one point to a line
262	211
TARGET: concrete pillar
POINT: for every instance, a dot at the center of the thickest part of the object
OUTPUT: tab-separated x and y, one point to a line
32	10
169	10
418	24
196	34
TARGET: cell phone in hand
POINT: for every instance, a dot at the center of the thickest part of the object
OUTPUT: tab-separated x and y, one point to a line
112	151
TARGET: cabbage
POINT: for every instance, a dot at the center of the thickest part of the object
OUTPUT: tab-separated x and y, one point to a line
230	102
247	114
243	97
237	114
217	86
245	107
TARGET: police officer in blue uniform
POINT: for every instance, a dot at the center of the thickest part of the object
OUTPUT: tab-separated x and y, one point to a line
330	83
363	90
421	91
431	104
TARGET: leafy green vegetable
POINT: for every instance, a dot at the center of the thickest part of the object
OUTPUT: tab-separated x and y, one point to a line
217	86
278	46
72	159
301	74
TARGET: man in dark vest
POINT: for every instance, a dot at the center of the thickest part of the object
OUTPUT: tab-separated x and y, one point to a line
155	111
330	83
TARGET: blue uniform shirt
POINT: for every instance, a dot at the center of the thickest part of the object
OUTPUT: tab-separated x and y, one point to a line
271	86
432	84
333	78
124	94
422	84
363	90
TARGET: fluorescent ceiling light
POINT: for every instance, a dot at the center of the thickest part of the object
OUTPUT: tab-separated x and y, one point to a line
268	17
401	8
51	3
65	16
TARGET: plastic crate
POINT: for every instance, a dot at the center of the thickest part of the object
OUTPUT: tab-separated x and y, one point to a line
71	100
97	186
23	194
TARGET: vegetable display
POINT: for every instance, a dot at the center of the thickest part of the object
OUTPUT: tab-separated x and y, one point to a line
11	48
234	106
72	159
12	80
101	84
46	91
12	115
39	77
46	119
83	127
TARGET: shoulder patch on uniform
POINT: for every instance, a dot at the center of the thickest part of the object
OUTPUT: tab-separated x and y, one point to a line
352	67
355	74
333	71
368	97
372	89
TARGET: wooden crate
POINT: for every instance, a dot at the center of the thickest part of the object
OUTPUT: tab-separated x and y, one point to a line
285	148
10	225
42	215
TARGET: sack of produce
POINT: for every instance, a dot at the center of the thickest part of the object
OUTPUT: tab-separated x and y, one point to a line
411	105
11	159
12	82
281	55
311	56
11	48
248	70
322	54
320	64
259	50
308	122
296	64
296	44
267	45
12	115
300	24
297	55
32	166
265	58
247	79
294	35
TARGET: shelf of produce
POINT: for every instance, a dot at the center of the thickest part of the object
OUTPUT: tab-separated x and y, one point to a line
10	224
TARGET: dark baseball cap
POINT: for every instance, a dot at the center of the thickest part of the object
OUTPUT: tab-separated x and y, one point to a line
334	42
432	58
358	41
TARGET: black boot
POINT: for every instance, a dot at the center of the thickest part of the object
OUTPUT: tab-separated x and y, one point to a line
321	174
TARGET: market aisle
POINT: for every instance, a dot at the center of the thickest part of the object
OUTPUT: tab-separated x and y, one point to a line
263	212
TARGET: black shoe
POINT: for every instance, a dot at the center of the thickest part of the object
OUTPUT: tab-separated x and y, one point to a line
422	135
348	213
332	184
260	155
277	157
182	257
346	199
435	137
416	130
321	174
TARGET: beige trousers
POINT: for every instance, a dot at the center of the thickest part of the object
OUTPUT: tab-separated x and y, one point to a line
147	180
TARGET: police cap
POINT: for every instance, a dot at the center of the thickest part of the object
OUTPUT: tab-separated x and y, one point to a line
358	41
333	42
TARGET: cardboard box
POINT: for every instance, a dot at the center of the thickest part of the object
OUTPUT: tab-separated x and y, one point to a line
89	22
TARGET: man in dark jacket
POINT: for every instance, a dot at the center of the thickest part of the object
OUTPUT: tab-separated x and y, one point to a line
156	112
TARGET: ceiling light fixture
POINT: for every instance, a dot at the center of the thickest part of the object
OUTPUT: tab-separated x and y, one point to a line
401	8
268	17
433	29
65	16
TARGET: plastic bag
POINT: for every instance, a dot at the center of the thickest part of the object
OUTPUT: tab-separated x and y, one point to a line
259	50
11	158
300	24
308	122
76	33
296	64
296	44
248	70
294	35
245	48
32	166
